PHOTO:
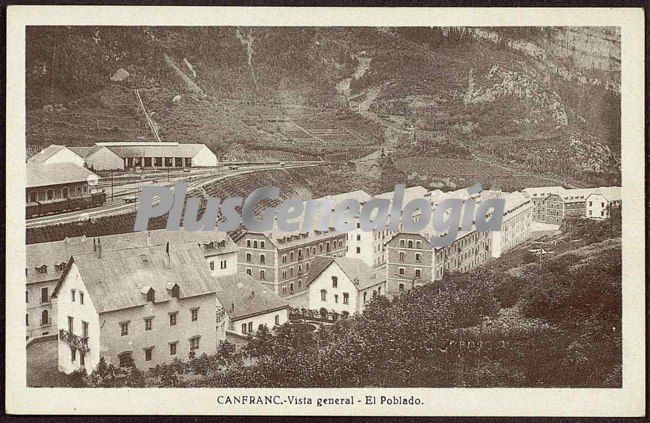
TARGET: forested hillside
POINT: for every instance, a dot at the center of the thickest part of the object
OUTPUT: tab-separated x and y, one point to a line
543	100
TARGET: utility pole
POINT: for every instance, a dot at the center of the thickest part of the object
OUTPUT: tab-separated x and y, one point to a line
111	184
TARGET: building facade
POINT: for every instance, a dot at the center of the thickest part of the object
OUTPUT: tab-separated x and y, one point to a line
147	305
57	154
343	285
600	204
57	182
282	261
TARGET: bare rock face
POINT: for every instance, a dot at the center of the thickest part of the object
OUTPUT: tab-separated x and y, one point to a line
120	75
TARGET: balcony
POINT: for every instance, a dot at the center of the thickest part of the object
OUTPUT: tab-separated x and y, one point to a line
74	340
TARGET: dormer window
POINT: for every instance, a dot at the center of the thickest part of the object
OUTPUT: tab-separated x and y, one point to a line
42	269
60	267
151	296
174	290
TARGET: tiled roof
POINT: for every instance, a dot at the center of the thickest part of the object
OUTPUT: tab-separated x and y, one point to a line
410	194
242	296
610	193
45	154
40	175
179	150
57	252
361	274
118	278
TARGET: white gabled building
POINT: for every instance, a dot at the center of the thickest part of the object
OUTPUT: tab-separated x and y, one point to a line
343	285
56	154
599	203
149	304
99	157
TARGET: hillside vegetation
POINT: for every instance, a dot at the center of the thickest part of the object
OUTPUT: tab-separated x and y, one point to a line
534	99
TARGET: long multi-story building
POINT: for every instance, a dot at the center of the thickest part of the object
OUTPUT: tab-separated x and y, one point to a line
281	260
516	222
554	204
145	305
46	262
413	261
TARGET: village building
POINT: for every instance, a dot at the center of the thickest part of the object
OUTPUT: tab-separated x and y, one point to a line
538	196
281	260
51	183
343	285
46	262
600	203
56	154
146	305
246	305
516	222
161	154
99	157
413	261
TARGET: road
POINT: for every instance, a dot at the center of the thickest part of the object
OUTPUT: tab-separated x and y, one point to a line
117	206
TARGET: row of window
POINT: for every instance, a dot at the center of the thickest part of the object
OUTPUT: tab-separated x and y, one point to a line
223	264
248	327
32	196
45	318
148	321
346	296
45	296
254	244
126	357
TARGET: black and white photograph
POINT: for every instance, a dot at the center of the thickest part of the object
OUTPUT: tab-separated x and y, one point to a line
326	206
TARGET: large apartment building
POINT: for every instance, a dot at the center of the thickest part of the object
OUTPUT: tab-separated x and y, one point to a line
281	260
147	304
413	261
554	204
516	222
46	262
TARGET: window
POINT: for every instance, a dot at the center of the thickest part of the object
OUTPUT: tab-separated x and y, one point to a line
249	272
64	192
81	297
172	318
224	263
151	296
277	319
323	295
401	287
250	327
262	275
124	328
84	329
291	256
148	354
284	289
254	244
82	359
27	319
44	318
291	287
70	324
249	257
410	244
358	237
335	282
418	257
148	321
401	243
262	258
336	298
73	353
26	296
73	292
243	328
401	271
172	348
358	250
346	298
284	274
401	256
365	296
417	273
211	265
261	244
50	194
44	295
248	243
299	283
176	291
195	314
284	258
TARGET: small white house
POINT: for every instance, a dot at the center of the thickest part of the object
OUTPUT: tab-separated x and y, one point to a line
100	158
55	154
343	284
599	203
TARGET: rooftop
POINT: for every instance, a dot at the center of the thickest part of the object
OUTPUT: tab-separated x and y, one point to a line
45	154
118	279
361	274
154	149
242	296
41	175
